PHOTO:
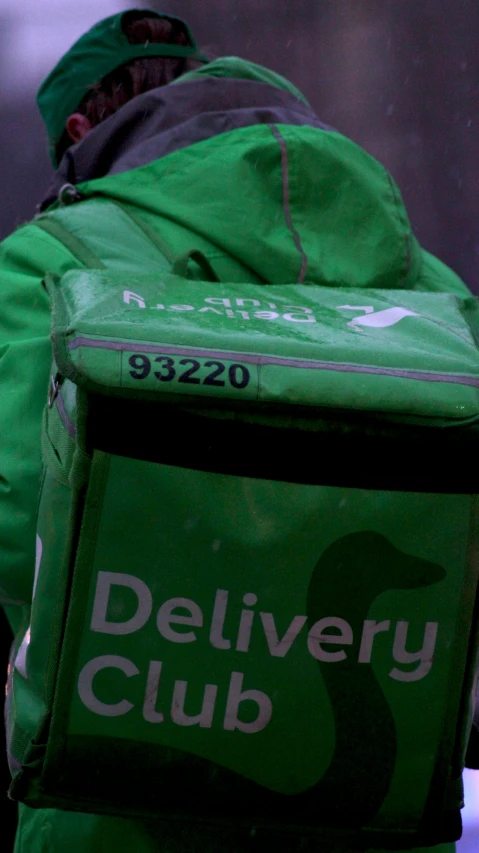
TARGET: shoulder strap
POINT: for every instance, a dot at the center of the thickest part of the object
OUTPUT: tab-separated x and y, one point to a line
181	265
146	229
78	249
101	234
113	236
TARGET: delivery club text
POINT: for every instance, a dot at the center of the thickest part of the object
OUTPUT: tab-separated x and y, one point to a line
180	619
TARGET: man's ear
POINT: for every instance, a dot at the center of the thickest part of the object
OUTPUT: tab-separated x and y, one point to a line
78	126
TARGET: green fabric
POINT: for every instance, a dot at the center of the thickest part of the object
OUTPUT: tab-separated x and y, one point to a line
373	247
95	746
96	53
97	303
24	372
356	235
297	345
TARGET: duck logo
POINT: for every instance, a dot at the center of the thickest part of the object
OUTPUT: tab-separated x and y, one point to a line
376	319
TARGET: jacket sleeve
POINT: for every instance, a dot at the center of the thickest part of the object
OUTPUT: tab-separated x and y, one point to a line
25	356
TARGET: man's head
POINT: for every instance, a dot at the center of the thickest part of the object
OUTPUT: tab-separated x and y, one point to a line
118	59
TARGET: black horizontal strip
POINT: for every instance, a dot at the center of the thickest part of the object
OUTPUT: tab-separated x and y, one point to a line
416	459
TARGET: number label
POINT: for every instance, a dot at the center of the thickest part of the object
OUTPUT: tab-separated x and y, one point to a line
209	374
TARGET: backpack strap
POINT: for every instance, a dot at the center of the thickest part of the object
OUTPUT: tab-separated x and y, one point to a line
78	249
113	236
181	265
146	229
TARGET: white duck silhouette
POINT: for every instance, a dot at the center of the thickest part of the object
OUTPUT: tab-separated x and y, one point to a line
377	319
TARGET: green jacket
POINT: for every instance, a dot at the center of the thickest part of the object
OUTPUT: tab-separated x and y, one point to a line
229	160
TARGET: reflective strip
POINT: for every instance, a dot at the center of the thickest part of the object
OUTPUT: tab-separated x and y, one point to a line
287	203
252	358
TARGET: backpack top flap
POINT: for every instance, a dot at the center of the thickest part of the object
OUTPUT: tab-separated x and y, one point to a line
162	336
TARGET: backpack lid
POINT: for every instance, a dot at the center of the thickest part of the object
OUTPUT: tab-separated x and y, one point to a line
405	354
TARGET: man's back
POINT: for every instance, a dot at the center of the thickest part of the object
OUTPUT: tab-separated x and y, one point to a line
224	163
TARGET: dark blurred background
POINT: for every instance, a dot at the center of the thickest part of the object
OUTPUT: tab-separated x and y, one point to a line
400	77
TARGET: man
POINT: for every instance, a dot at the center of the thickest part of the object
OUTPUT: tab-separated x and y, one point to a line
225	157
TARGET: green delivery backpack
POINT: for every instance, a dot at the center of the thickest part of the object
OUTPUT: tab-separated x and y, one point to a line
257	558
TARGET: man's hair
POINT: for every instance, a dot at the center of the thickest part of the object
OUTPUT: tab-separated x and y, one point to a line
137	76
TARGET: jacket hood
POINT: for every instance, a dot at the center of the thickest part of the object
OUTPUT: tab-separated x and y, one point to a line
233	153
